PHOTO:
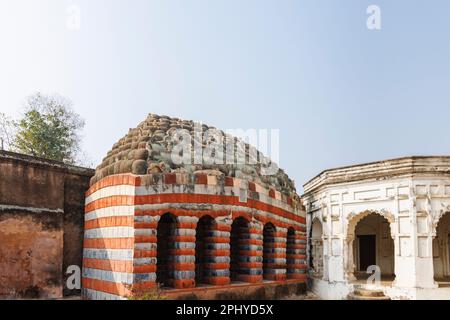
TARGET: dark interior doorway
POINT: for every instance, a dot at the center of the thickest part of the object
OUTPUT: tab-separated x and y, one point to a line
204	233
367	251
164	265
239	228
268	251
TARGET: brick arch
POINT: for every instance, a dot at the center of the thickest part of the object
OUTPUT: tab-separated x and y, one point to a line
241	214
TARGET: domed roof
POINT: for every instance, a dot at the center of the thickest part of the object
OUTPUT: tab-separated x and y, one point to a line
148	149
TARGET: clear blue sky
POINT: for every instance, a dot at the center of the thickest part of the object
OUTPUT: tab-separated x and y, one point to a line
339	93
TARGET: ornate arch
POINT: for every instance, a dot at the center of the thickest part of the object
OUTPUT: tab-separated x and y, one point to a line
316	220
353	219
315	249
435	219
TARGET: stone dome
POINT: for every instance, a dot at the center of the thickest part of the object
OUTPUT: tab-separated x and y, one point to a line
147	149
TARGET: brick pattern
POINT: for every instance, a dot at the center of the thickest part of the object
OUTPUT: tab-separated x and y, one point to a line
183	265
296	256
275	255
121	233
108	254
144	256
172	183
250	244
217	254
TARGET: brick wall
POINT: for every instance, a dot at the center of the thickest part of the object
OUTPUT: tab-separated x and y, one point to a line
41	225
123	234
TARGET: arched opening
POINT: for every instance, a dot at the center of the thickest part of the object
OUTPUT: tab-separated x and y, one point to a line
441	251
373	246
239	231
204	234
316	249
290	253
165	250
269	260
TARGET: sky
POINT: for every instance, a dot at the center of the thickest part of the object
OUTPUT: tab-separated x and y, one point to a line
339	93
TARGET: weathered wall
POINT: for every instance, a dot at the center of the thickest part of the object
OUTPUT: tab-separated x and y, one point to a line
41	225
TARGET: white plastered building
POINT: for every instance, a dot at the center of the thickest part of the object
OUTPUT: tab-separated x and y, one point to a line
393	214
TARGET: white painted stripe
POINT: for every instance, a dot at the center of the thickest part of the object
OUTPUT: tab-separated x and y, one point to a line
117	277
146	218
145	232
145	246
109	232
111	276
99	295
120	190
144	261
108	254
115	211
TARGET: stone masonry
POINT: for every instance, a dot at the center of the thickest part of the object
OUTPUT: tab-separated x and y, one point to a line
186	227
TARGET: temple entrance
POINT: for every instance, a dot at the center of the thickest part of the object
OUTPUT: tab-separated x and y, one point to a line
367	251
372	245
165	272
204	234
441	251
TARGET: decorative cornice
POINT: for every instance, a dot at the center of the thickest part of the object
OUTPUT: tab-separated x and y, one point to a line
432	165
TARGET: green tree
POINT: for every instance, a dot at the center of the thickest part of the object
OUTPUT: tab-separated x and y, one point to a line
49	128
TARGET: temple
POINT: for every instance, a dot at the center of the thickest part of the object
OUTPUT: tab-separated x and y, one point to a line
387	221
152	223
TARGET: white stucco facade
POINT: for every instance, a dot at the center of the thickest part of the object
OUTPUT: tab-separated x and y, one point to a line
401	204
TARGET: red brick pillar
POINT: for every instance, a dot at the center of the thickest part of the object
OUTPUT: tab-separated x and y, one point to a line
296	255
218	252
183	262
145	246
251	253
275	251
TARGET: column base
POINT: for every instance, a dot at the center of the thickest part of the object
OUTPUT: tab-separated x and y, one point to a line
182	283
250	278
219	281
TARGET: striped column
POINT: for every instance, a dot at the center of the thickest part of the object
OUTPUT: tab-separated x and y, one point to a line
217	253
296	256
275	255
108	250
251	253
182	257
145	246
